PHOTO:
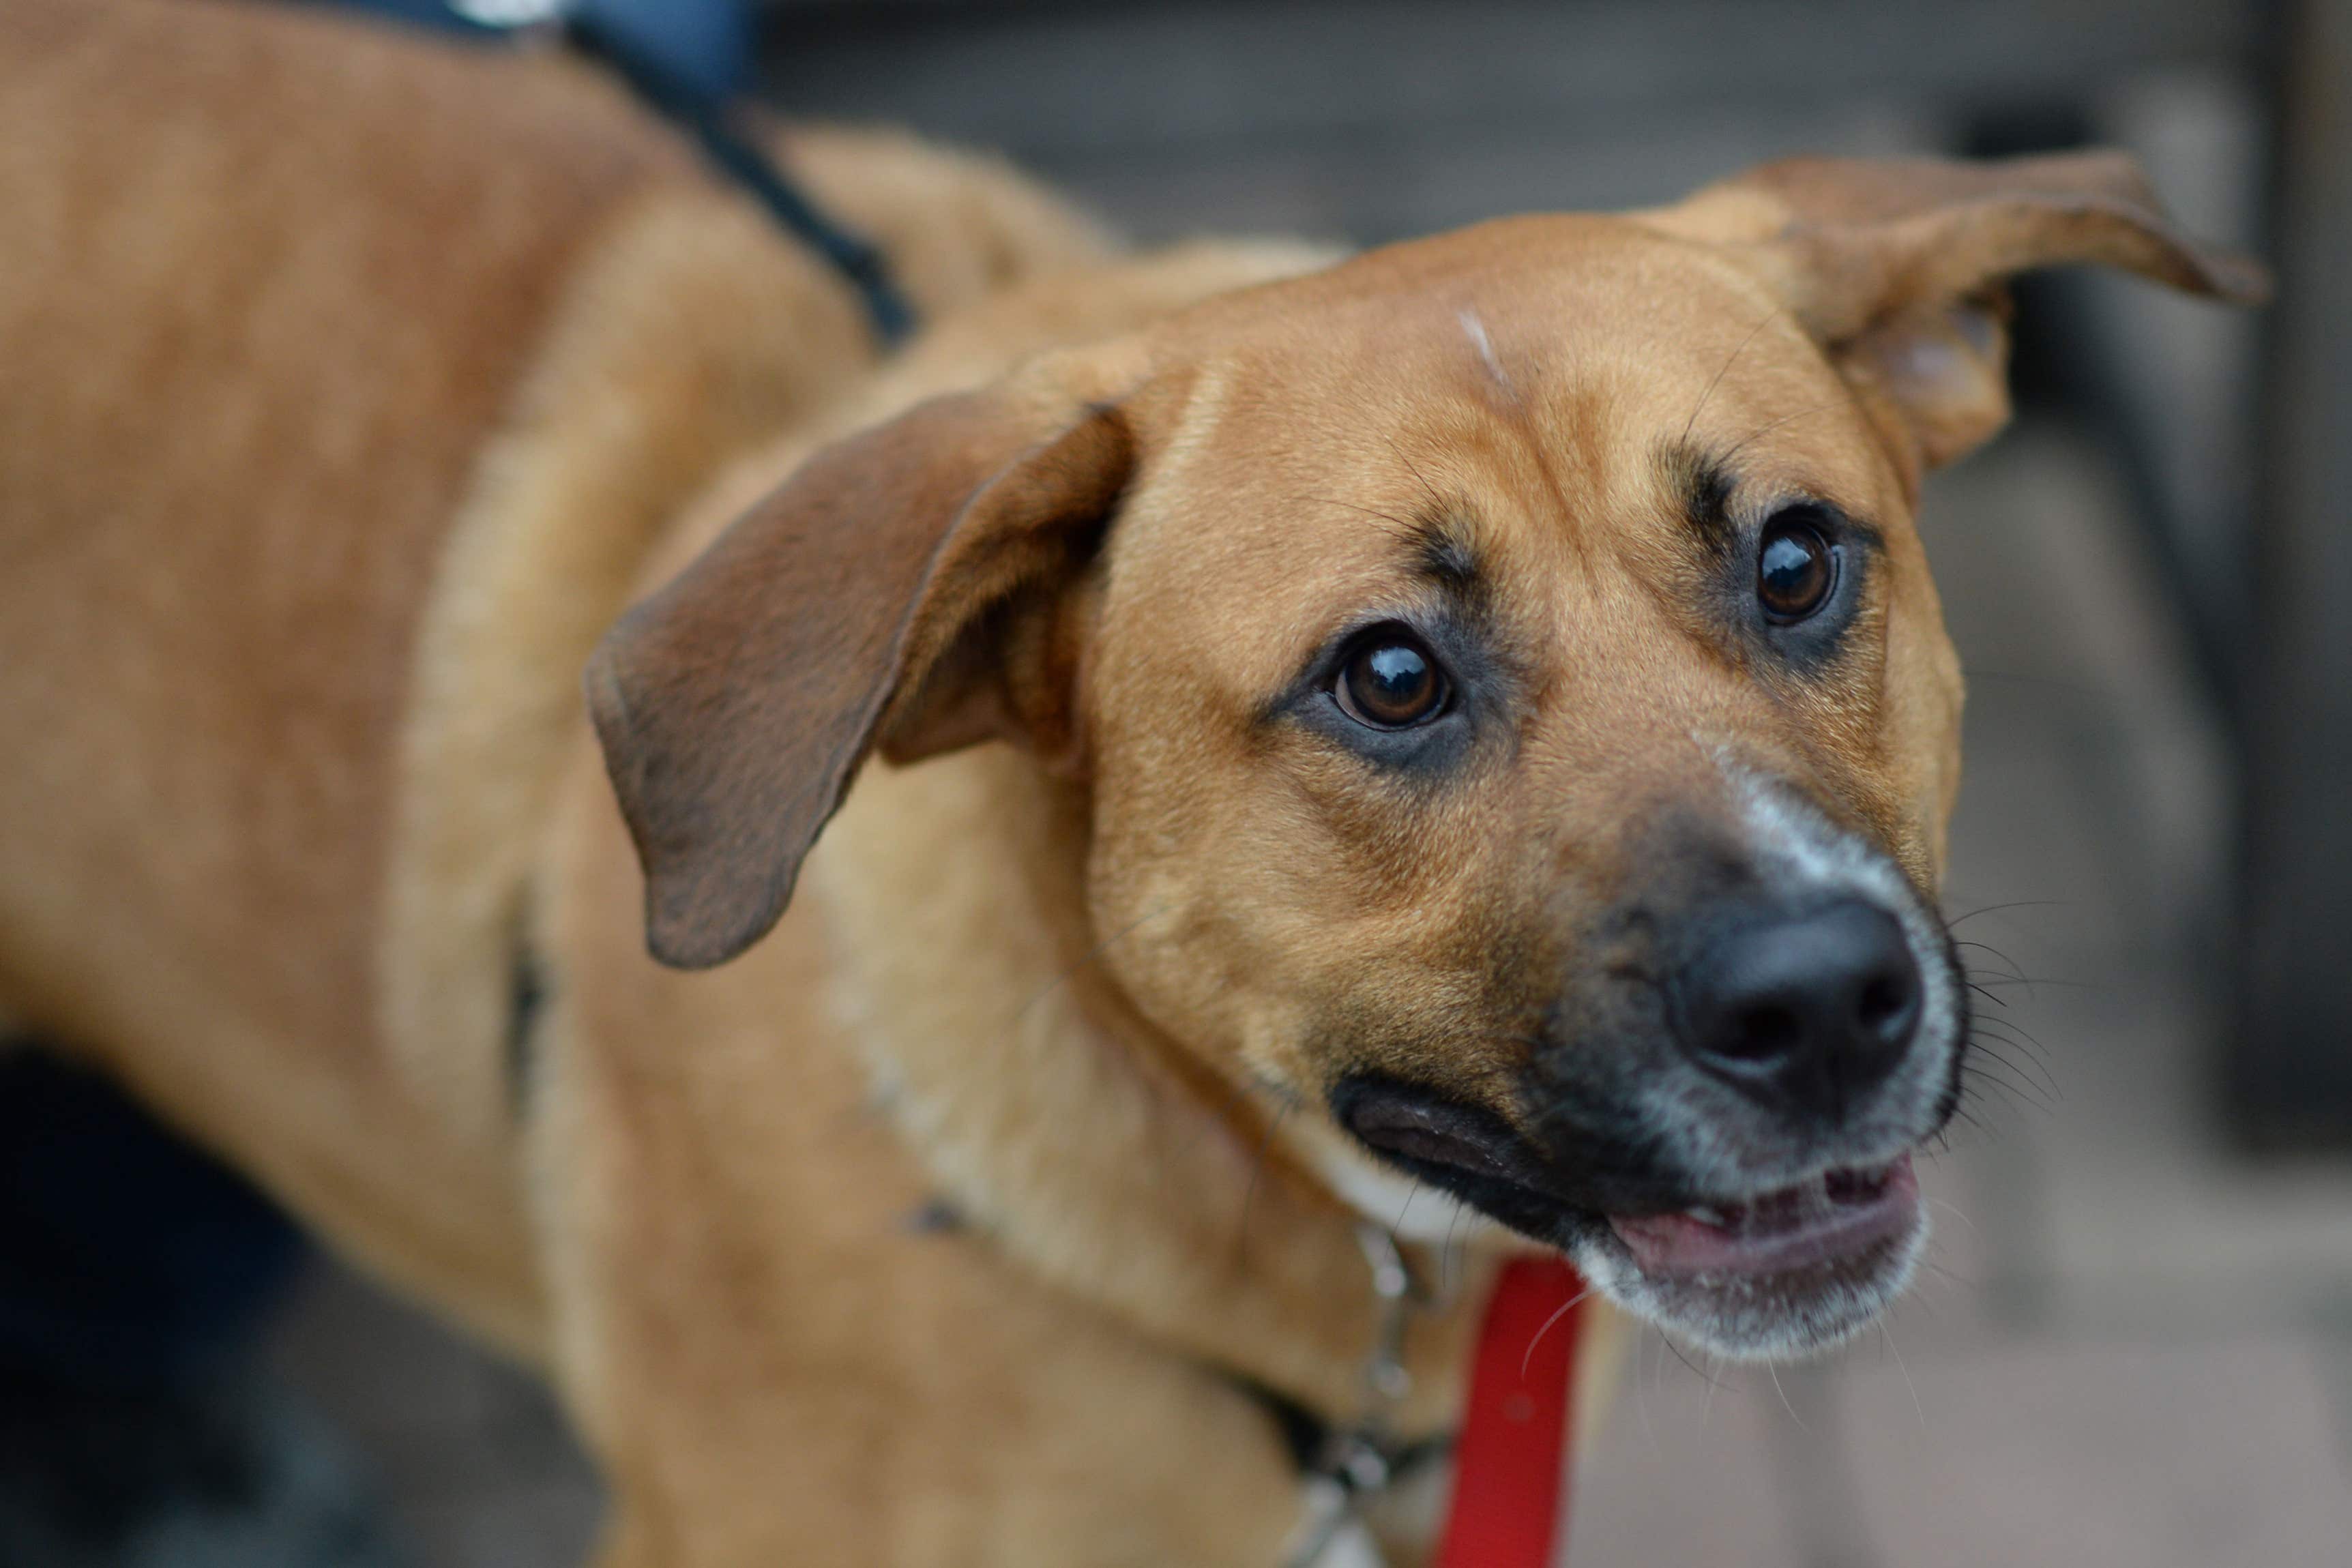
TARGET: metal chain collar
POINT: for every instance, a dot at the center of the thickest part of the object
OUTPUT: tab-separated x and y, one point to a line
1361	1460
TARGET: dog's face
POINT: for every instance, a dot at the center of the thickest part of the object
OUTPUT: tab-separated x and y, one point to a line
1520	742
1516	714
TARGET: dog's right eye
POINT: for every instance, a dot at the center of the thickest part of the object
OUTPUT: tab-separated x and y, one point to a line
1391	681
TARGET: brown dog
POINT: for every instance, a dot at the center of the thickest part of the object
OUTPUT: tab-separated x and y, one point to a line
1482	737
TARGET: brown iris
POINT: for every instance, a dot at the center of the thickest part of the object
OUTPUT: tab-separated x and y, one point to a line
1391	682
1795	570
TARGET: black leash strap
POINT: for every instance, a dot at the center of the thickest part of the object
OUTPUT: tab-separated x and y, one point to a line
706	117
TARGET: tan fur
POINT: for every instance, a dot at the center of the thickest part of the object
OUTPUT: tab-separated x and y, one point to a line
176	444
356	384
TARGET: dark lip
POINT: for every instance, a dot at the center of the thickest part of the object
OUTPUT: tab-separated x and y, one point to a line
1402	1123
1471	1152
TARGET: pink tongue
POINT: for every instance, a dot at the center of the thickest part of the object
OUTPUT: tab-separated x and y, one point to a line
1678	1244
1782	1231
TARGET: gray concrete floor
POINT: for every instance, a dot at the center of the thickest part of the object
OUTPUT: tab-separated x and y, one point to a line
2130	1348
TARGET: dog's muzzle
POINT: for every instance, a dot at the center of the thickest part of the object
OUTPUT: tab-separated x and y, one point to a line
1719	1120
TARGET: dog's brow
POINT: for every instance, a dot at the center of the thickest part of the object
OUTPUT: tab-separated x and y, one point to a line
1439	539
1702	487
1446	553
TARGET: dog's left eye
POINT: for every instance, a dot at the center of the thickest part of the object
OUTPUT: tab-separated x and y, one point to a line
1796	568
1391	682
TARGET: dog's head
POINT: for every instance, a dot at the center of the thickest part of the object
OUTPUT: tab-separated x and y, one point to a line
1516	717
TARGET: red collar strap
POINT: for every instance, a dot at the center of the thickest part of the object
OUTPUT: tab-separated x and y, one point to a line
1510	1462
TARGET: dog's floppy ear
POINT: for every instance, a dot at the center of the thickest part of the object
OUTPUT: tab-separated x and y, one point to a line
867	601
1895	267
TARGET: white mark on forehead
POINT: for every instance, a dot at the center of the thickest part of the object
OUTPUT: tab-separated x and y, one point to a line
1475	330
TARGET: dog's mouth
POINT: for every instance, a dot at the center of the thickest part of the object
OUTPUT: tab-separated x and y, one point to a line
1780	1275
1770	1273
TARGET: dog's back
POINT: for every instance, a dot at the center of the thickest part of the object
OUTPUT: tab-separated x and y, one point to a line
264	282
305	325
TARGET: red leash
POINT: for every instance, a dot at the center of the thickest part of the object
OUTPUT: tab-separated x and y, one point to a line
1510	1463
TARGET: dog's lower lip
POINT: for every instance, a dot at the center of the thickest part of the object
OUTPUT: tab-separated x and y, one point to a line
1830	1217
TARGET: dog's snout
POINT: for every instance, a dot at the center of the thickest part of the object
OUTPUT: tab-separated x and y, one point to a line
1803	1012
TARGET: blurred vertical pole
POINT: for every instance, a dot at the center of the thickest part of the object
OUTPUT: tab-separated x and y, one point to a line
2288	1073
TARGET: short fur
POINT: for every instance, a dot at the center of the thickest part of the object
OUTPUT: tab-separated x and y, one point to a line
355	385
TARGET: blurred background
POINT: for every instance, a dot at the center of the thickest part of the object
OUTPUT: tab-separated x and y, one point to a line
2134	1344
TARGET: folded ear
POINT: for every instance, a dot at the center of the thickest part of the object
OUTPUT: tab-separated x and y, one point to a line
1897	265
882	595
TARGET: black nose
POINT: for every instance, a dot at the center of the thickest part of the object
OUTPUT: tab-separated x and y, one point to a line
1804	1011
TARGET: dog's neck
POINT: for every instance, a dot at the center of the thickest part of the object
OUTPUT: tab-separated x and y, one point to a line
1075	1135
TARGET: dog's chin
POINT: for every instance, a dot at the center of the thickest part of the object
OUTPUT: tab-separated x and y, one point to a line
1784	1275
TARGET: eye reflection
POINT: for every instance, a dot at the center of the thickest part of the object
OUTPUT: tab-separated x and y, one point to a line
1795	570
1391	682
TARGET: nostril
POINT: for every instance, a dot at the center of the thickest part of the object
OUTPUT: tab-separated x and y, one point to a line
1761	1034
1885	1003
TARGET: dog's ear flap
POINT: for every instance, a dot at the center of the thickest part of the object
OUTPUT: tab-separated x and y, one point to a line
1897	266
862	604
